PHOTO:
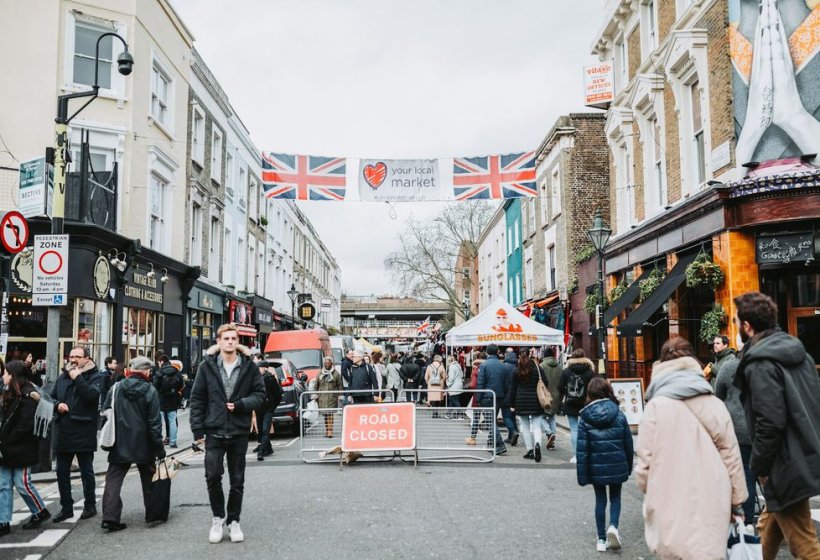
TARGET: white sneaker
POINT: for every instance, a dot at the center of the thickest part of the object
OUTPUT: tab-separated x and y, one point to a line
235	532
217	532
613	537
573	460
601	546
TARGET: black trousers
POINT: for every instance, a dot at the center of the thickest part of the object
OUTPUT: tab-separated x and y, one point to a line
216	450
111	502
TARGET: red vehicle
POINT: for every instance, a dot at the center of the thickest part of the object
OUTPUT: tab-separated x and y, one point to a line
306	349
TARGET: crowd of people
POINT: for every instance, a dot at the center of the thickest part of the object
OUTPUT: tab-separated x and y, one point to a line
707	439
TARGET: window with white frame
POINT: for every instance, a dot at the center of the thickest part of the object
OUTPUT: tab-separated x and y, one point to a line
196	234
649	26
698	140
531	215
161	95
85	33
156	216
552	266
517	288
658	171
543	189
213	240
198	136
621	64
516	229
216	156
239	277
624	192
102	148
253	201
229	173
555	190
251	280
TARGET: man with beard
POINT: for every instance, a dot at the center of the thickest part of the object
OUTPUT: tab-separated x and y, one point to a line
780	391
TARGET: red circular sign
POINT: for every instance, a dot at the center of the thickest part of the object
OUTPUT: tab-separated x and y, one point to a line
14	231
45	270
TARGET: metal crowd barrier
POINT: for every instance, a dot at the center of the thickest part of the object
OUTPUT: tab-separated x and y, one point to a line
442	433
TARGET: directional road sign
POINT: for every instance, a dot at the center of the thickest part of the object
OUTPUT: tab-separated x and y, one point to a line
13	232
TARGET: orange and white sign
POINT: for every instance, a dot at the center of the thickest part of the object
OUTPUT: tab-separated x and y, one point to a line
599	87
379	427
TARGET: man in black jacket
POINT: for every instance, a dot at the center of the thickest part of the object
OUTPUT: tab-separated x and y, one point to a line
780	391
493	379
139	437
76	396
226	390
264	414
362	378
168	382
410	374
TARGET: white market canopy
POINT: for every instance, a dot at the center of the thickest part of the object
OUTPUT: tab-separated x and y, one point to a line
502	324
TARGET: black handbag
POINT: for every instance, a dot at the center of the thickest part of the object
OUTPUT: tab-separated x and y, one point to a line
158	499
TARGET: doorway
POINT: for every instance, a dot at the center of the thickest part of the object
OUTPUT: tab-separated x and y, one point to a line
805	325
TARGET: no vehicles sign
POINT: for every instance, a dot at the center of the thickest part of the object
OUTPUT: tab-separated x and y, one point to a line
50	281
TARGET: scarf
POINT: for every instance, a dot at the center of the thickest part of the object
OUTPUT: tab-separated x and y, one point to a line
678	379
144	375
327	374
44	413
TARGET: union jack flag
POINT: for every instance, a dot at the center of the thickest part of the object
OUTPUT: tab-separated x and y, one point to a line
303	177
500	176
423	325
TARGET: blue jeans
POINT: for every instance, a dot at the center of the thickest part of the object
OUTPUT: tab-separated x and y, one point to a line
600	507
749	504
509	420
573	431
170	417
19	477
453	401
550	421
85	460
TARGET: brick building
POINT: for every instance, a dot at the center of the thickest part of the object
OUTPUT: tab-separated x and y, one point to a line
701	164
573	178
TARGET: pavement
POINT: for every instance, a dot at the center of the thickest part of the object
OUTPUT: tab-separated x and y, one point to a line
509	508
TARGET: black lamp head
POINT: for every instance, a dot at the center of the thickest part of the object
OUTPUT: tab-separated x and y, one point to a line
125	63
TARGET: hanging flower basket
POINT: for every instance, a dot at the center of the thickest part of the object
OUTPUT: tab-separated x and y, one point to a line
618	291
650	283
704	273
713	322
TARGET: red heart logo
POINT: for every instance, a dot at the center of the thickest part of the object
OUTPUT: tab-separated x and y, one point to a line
375	174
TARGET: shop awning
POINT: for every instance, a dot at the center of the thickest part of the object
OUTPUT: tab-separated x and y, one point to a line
246	330
634	323
627	299
547	300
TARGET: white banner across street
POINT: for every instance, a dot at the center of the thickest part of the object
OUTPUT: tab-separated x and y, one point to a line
407	180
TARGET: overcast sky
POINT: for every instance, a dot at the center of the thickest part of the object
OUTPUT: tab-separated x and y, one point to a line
393	79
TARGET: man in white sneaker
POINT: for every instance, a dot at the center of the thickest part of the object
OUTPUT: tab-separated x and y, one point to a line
226	390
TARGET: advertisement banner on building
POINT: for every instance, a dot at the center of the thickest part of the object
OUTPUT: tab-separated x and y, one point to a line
599	87
36	188
407	180
775	76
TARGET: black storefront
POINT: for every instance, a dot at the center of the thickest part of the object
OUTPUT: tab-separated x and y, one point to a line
206	306
262	319
123	300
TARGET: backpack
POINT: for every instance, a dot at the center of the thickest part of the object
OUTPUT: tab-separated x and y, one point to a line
544	396
435	377
575	389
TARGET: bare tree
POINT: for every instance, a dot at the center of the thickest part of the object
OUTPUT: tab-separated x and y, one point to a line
424	264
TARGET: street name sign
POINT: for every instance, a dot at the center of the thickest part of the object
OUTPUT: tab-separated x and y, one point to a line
50	282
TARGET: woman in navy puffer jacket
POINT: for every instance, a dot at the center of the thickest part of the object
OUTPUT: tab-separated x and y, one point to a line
604	455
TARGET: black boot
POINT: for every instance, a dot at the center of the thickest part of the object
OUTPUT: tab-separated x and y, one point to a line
5	529
514	439
36	519
528	455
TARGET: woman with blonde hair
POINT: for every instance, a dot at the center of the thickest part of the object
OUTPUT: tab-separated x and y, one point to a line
689	463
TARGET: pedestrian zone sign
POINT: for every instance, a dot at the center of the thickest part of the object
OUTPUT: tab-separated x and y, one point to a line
379	427
50	281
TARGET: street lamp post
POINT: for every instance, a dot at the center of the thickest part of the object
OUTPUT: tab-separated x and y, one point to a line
292	293
599	235
125	64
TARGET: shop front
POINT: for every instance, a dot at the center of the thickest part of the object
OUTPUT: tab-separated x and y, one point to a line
205	307
262	319
240	313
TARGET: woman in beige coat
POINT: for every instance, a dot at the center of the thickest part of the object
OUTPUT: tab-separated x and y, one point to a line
436	378
689	463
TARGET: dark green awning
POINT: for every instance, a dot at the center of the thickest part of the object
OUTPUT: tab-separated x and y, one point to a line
634	323
626	299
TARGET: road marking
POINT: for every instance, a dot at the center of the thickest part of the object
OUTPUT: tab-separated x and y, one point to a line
291	442
33	557
46	539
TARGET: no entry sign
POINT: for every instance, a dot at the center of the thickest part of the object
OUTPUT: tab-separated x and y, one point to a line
13	232
379	427
50	281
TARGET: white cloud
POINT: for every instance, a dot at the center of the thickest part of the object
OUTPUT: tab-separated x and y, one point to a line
393	79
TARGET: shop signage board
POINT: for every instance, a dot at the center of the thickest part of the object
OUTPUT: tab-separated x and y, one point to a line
599	87
50	281
36	188
307	311
629	392
14	232
784	249
379	427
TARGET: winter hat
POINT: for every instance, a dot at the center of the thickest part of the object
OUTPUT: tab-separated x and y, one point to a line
141	363
177	364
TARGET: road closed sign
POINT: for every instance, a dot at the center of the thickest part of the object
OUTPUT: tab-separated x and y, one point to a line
379	427
50	278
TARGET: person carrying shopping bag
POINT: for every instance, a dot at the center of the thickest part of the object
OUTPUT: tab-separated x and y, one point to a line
604	455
